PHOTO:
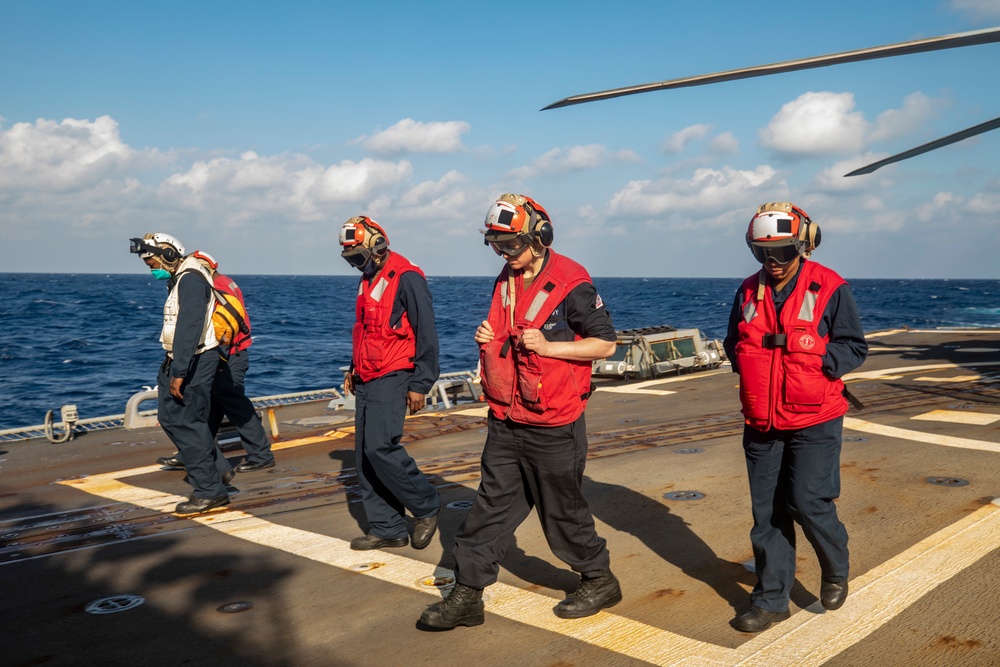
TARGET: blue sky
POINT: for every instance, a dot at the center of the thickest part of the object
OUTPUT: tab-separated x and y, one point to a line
253	130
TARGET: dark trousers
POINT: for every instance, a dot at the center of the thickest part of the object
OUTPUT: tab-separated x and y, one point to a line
389	478
229	399
794	478
186	424
523	467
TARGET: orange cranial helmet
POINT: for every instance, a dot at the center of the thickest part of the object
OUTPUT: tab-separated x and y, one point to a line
512	216
781	231
362	239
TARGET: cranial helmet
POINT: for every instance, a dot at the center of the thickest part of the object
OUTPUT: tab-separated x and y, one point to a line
781	231
164	247
517	215
361	239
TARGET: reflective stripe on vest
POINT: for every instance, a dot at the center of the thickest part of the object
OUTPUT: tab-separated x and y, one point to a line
538	302
379	289
749	311
806	312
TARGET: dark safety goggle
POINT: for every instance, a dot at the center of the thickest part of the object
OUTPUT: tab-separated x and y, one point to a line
510	247
145	249
140	247
356	256
782	254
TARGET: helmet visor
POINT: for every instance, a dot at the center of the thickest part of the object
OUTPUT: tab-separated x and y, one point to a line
781	254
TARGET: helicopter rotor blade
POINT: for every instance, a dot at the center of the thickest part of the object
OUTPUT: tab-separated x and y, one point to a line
926	148
957	40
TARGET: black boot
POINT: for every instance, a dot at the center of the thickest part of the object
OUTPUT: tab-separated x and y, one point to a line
591	596
463	606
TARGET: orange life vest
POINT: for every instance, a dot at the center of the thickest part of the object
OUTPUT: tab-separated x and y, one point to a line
227	316
521	385
378	348
782	384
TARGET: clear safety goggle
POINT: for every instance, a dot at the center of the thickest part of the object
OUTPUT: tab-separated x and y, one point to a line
782	254
511	247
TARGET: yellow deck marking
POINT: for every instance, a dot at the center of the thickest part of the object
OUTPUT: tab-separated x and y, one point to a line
917	436
807	639
954	378
482	411
958	417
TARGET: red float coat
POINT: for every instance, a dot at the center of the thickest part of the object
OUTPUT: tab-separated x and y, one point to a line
378	348
520	385
782	384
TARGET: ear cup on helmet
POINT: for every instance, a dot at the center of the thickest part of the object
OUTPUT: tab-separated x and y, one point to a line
379	243
545	232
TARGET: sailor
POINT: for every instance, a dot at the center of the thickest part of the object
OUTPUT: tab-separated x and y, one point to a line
393	367
185	379
229	399
794	331
546	325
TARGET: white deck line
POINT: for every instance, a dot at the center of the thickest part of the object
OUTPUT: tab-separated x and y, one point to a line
805	640
958	417
896	373
643	387
917	436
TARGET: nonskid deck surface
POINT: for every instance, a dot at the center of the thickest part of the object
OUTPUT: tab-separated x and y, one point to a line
92	519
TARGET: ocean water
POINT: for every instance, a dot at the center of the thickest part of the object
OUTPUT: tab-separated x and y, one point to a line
92	340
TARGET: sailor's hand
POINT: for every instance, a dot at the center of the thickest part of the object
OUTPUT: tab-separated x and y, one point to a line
349	383
416	401
484	333
533	341
175	388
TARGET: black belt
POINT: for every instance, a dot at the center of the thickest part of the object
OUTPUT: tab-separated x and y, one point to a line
771	341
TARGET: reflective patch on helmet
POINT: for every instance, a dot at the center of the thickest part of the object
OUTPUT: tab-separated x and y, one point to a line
501	217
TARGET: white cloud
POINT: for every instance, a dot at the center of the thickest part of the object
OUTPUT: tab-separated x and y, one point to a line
825	123
66	155
283	186
724	143
574	158
977	9
816	124
916	109
707	192
410	136
679	140
831	179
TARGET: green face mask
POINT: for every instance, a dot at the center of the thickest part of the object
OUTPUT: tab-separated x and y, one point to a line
160	274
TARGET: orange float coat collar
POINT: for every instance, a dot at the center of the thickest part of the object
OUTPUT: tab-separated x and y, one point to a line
782	383
520	385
